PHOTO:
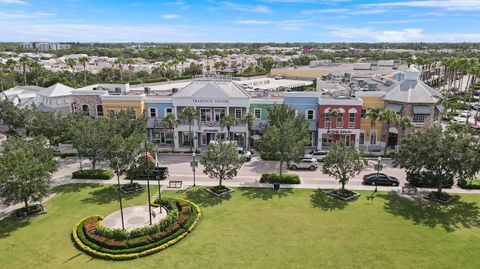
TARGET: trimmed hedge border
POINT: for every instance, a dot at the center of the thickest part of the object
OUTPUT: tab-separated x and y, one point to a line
93	249
276	178
90	174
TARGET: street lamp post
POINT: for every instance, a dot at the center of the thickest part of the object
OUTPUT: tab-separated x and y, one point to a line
117	171
148	184
378	172
193	167
158	176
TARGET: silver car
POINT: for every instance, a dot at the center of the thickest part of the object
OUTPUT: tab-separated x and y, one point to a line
304	163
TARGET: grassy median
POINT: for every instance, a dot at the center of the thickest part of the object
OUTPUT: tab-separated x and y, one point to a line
262	228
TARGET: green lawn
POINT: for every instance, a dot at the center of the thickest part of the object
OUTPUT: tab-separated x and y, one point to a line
260	228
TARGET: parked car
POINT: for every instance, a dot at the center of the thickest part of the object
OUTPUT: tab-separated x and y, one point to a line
304	163
475	106
318	154
466	114
458	120
382	179
244	153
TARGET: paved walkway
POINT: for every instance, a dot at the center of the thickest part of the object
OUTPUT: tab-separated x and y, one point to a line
134	217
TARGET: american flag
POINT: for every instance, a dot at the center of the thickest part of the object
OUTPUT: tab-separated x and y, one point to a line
149	156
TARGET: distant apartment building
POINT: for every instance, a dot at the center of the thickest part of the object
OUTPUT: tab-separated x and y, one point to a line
44	46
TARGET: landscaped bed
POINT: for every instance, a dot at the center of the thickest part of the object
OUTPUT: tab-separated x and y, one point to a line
470	184
263	228
90	174
131	188
116	244
219	190
283	179
345	195
33	210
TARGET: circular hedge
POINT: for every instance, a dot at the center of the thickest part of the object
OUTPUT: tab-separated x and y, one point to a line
122	245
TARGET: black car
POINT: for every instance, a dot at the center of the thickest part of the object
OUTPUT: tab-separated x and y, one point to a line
382	179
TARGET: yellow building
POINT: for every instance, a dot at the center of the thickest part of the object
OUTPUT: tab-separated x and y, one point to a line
370	138
303	72
113	104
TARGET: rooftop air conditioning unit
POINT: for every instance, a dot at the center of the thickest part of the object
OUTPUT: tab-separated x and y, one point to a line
118	90
174	90
147	90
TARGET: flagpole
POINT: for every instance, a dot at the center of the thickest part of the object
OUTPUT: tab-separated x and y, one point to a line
158	177
148	183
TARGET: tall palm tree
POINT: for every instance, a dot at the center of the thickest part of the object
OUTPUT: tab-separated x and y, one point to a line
373	113
405	123
24	61
11	64
388	117
130	63
2	67
35	67
226	122
190	114
249	119
84	60
171	121
71	63
120	62
331	114
182	59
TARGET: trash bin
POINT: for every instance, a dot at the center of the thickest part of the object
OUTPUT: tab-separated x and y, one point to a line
276	186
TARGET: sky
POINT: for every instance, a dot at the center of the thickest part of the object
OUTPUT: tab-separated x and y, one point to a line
240	21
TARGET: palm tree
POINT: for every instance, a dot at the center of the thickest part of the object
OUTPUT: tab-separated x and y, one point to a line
171	121
330	114
120	61
182	59
24	61
190	114
373	114
2	67
35	66
388	117
11	64
249	119
405	123
84	61
71	63
130	63
226	122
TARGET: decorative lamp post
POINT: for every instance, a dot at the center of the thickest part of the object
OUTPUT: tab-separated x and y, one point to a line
157	174
193	167
117	171
148	184
378	168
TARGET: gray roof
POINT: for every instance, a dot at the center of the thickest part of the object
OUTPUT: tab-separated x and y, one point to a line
213	87
412	90
57	89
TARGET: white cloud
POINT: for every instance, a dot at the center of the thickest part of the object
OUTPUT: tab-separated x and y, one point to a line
367	11
253	22
398	21
5	16
325	11
466	5
170	16
246	8
7	2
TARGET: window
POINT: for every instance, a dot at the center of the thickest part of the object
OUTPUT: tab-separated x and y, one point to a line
373	138
327	120
85	109
205	114
219	113
238	113
364	112
326	141
351	120
168	110
310	114
258	113
153	112
361	139
419	118
99	111
111	113
133	114
340	120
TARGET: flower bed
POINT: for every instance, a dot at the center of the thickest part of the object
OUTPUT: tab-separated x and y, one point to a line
90	174
91	237
130	188
344	195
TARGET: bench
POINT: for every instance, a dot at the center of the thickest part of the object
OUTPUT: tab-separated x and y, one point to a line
409	189
175	184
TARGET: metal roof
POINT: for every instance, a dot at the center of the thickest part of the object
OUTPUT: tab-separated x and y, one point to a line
213	87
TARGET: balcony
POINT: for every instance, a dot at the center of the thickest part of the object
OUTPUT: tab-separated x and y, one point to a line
351	125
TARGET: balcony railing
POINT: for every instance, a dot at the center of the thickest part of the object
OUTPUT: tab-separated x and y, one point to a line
351	125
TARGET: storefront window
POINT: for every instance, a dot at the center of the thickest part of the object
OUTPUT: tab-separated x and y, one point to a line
340	120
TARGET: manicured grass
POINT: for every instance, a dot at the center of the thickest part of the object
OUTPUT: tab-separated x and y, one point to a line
261	228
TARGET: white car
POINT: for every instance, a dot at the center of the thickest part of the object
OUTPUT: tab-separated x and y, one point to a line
304	163
466	114
458	120
245	153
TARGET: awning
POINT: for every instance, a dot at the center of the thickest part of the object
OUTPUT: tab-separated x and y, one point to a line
395	107
425	110
256	137
440	108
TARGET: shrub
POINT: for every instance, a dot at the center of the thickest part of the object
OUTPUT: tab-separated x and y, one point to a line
473	184
90	174
427	180
64	154
219	189
283	179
